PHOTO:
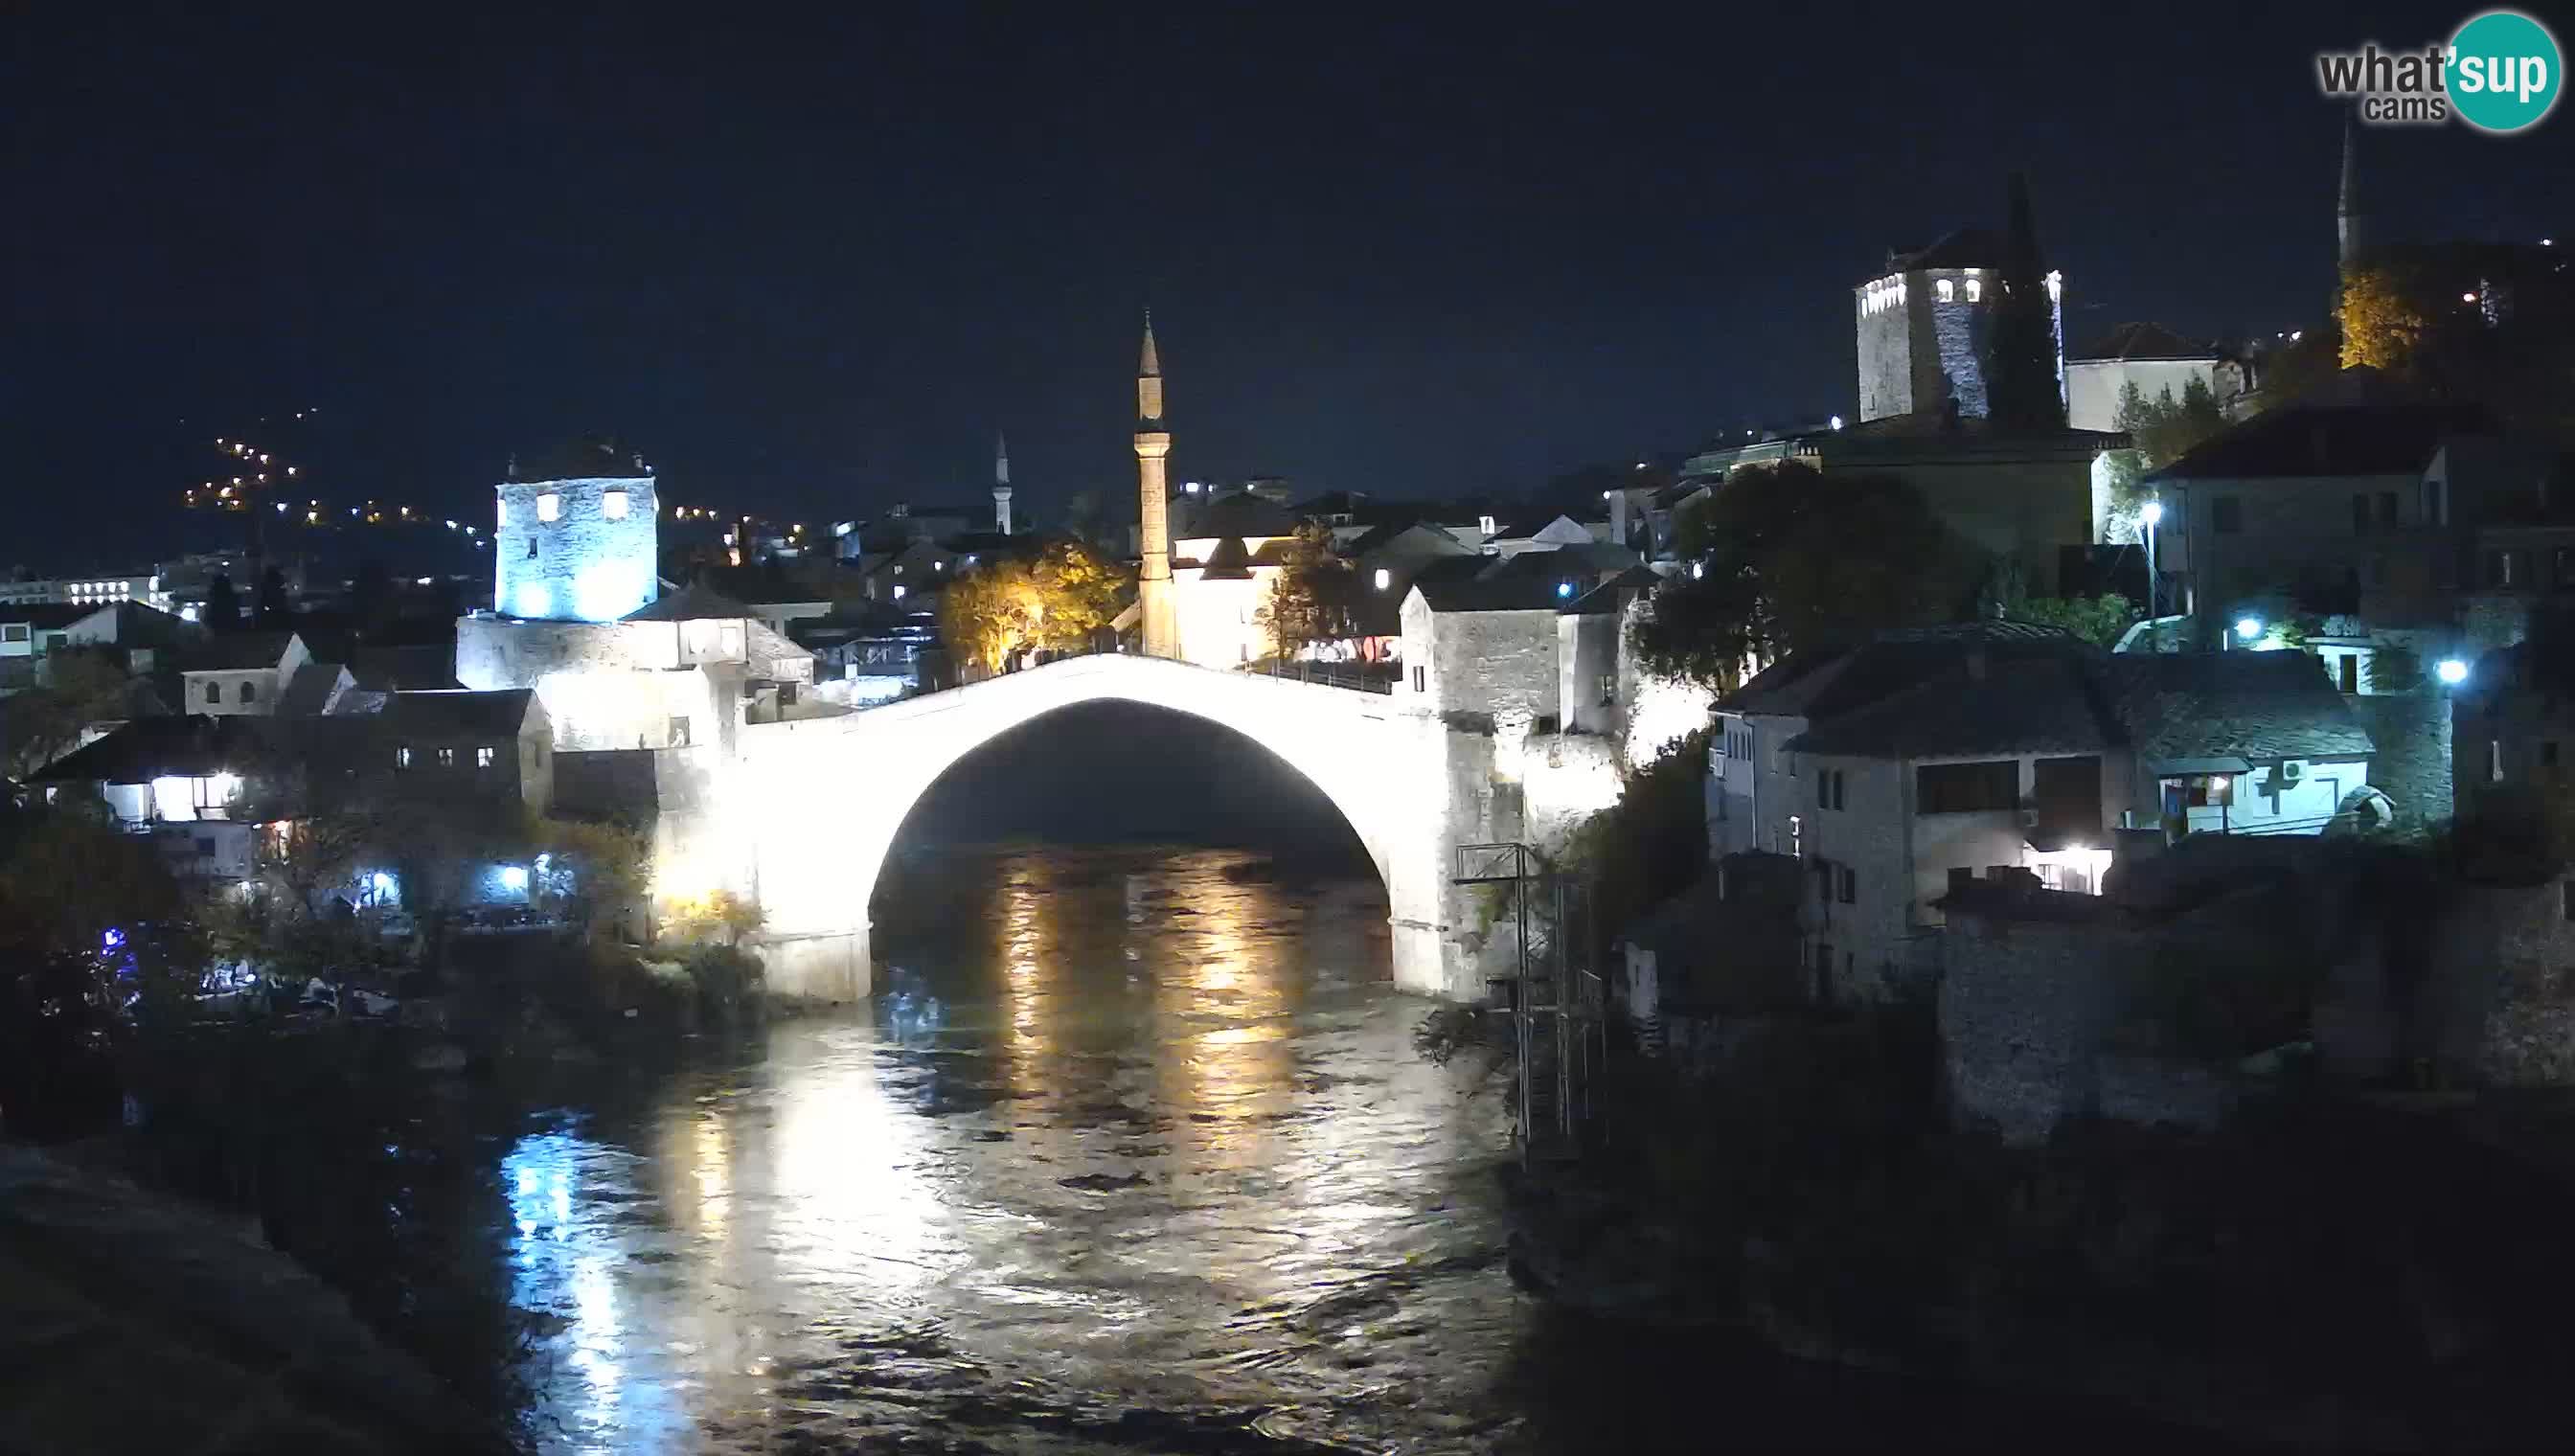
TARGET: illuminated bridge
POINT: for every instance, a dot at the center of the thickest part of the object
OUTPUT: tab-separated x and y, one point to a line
812	806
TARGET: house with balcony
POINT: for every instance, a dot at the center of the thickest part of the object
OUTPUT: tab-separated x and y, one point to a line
1909	765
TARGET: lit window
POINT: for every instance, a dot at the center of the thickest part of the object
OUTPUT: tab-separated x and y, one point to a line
1975	290
898	591
1485	524
401	757
1385	578
612	504
549	507
483	756
505	513
1949	291
447	757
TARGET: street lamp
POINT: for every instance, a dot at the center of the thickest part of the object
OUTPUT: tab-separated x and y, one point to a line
2451	671
2248	627
2153	516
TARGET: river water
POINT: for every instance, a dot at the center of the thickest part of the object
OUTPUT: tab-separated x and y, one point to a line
1130	1152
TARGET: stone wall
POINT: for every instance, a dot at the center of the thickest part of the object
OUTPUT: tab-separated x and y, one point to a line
2412	763
1501	664
2500	989
1565	778
586	564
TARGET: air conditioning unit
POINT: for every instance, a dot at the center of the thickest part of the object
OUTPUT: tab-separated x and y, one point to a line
2291	771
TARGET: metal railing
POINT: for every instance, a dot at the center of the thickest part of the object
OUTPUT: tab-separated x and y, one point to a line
1554	996
1325	674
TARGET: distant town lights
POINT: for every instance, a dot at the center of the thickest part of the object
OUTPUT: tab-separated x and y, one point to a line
2452	672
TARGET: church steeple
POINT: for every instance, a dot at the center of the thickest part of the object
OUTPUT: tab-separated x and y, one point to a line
1001	483
1157	612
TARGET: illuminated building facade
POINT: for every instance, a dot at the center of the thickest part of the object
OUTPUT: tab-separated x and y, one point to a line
576	547
1925	322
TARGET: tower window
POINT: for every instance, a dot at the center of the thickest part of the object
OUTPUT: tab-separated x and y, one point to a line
1975	290
1949	291
549	506
612	504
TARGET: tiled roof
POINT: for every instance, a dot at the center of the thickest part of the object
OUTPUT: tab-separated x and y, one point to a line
2031	706
308	690
2252	705
2320	439
233	652
1228	561
2145	341
688	603
1821	682
458	713
1608	596
1241	514
429	666
1965	248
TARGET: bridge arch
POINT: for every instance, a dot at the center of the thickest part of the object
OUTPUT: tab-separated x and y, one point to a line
815	805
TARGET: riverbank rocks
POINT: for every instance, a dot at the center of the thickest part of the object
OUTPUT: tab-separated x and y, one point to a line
137	1324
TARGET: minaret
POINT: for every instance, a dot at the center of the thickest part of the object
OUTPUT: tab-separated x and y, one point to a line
2350	233
1000	484
1161	620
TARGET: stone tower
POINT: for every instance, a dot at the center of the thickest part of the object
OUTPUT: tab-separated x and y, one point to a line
578	539
1000	484
2351	233
1159	615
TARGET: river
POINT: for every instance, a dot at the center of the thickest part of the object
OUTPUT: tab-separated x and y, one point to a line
1130	1152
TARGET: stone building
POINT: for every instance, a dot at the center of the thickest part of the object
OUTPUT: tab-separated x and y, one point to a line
1923	322
577	541
2150	357
1916	764
1221	575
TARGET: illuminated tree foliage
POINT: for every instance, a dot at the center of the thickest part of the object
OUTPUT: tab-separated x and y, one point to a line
2383	324
2164	429
1311	602
1057	603
1793	557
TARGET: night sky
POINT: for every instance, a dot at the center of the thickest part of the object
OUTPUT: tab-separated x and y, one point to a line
810	266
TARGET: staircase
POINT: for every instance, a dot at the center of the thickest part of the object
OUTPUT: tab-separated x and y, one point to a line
1553	994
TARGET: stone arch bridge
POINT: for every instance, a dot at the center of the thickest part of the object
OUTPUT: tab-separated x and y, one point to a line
813	805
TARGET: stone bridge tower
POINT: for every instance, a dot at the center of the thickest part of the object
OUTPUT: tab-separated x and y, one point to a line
1158	613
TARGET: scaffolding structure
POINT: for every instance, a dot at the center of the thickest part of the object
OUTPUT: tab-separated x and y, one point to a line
1553	993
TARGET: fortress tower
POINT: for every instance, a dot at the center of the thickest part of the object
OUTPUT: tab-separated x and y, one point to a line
1158	616
577	540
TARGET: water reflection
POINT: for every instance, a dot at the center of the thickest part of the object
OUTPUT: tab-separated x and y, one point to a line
1124	1133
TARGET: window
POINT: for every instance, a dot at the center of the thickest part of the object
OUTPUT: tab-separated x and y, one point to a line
401	757
505	513
1949	291
1608	688
612	504
549	506
2198	791
679	732
2494	761
214	691
2387	510
483	756
1385	578
1846	885
13	632
1421	680
2566	898
2359	513
1485	524
1960	876
2349	666
447	757
1946	788
250	693
2435	510
1975	290
2226	515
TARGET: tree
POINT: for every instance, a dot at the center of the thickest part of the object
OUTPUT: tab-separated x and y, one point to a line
1078	595
2164	429
81	687
2100	621
370	596
1056	604
223	605
715	915
440	853
593	870
1082	516
2382	323
1793	558
2022	391
1310	601
272	600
